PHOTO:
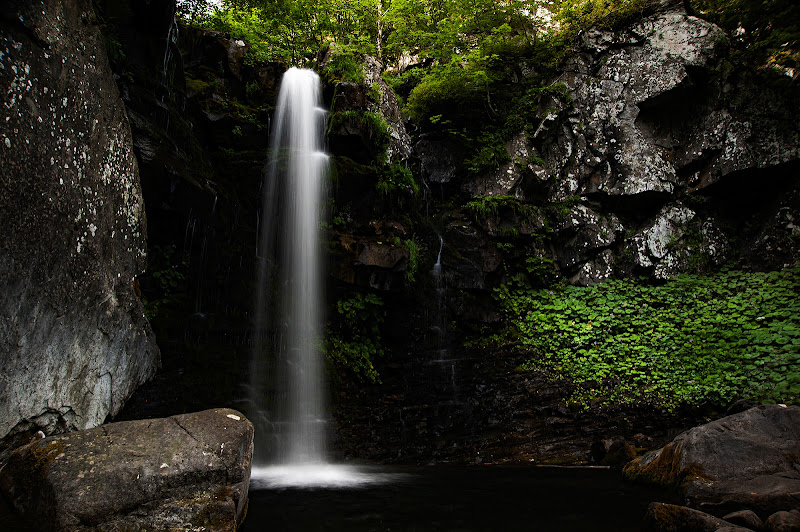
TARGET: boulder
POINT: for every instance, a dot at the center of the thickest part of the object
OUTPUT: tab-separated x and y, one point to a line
664	517
615	451
783	522
190	471
764	494
745	518
744	461
72	227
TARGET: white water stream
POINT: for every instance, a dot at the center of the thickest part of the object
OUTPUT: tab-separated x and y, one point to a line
288	389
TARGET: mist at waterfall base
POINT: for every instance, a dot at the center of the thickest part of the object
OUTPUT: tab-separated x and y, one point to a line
287	385
466	499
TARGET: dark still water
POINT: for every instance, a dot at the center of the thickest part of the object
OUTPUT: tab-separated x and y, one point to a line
460	499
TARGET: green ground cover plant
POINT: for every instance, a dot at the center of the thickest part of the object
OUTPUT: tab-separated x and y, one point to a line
693	341
354	338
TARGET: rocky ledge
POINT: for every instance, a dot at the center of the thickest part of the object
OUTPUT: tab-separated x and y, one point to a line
190	471
741	471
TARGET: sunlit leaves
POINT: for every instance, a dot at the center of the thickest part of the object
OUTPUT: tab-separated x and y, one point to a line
690	341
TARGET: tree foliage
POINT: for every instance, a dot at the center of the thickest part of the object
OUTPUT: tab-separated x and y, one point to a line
766	33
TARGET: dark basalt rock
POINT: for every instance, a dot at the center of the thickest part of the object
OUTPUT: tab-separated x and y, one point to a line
369	261
743	461
184	472
661	517
746	518
469	258
72	227
439	159
783	522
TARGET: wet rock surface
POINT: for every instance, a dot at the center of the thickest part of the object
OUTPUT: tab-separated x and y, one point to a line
474	407
673	518
190	471
72	227
746	461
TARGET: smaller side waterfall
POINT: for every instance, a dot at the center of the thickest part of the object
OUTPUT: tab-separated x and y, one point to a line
172	41
441	352
440	322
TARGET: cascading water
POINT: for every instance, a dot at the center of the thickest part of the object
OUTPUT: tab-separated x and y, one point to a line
287	375
289	279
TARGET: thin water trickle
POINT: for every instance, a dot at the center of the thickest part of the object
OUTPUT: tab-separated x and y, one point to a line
172	40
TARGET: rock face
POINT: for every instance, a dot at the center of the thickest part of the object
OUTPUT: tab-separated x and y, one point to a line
72	227
184	472
652	129
199	116
655	117
747	461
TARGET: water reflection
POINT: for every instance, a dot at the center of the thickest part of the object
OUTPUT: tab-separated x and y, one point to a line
452	498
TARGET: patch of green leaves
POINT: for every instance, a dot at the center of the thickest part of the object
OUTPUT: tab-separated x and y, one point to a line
483	207
344	65
354	337
694	340
397	182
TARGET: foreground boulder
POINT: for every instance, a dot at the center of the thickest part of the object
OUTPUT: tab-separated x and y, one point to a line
747	461
190	471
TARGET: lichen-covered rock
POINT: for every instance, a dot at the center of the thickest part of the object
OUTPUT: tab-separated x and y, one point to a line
583	234
596	270
507	179
72	226
656	115
676	239
607	151
389	109
190	471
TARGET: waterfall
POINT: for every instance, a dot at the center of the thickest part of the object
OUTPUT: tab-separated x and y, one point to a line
287	386
289	393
